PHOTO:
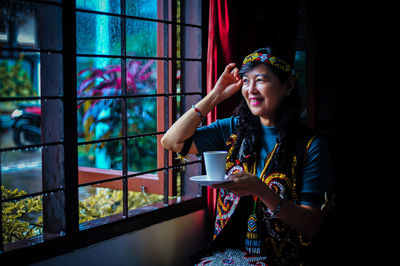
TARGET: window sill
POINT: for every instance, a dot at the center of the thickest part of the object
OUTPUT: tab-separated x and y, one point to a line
34	249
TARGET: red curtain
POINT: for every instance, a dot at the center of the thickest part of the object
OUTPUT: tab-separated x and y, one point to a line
218	56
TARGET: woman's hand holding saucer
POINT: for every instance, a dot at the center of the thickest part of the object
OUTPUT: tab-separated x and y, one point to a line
242	184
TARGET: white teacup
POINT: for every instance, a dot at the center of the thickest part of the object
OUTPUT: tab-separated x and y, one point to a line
215	162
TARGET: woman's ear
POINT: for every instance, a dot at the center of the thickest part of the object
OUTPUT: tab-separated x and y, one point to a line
291	82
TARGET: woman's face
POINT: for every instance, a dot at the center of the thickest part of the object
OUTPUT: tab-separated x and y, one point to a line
263	92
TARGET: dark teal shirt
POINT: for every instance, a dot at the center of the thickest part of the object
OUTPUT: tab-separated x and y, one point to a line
317	173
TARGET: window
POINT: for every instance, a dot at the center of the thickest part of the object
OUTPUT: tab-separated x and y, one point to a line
305	65
81	118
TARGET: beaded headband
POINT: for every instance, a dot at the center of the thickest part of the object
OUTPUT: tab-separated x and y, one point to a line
269	59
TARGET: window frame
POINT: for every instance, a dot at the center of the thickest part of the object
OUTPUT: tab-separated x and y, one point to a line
74	236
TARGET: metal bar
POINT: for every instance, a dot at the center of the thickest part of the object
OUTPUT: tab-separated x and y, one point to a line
30	98
31	195
1	212
168	58
120	138
204	44
182	90
137	18
204	37
137	96
137	174
145	135
44	2
31	146
100	141
31	50
125	206
166	99
173	89
182	47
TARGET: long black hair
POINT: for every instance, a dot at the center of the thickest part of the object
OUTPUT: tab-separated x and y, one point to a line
287	117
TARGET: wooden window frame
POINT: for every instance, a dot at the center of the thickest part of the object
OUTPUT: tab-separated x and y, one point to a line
73	236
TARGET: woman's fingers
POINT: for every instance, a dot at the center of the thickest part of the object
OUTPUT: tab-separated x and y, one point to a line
235	73
232	181
229	67
231	70
238	175
241	184
228	83
239	83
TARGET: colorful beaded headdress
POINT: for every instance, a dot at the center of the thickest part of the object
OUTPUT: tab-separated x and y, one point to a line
269	59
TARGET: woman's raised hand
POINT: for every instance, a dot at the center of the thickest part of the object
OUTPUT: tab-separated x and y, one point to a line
228	83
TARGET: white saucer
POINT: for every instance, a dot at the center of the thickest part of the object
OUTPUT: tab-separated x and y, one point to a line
205	181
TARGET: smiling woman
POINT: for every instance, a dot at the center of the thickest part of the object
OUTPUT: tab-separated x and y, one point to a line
263	92
279	169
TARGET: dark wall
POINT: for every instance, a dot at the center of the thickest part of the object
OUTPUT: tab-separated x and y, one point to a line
255	24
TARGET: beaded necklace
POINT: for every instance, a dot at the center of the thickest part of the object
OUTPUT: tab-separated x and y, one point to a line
253	240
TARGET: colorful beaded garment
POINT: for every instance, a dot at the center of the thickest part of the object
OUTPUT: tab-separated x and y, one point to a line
276	239
232	257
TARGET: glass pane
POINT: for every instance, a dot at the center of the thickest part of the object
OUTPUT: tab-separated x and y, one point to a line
30	74
141	76
142	154
99	119
22	20
100	5
141	38
22	170
185	186
19	74
22	219
98	34
191	36
20	123
142	115
142	8
191	76
178	41
100	200
179	65
141	192
104	155
27	29
300	64
98	76
191	12
189	100
31	122
300	60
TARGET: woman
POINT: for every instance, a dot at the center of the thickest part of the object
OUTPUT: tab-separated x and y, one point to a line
278	168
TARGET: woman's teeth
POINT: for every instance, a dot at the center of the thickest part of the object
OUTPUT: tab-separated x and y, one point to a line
255	101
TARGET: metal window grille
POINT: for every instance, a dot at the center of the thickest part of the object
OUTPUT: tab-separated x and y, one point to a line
180	67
